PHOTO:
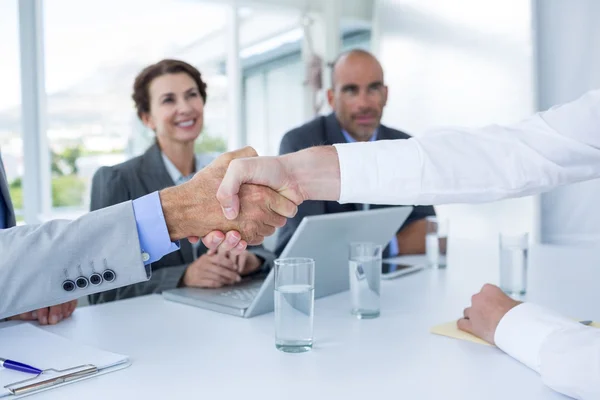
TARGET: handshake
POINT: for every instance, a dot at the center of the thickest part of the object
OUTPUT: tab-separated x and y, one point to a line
241	198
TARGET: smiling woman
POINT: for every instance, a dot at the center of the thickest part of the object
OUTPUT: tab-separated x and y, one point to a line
169	98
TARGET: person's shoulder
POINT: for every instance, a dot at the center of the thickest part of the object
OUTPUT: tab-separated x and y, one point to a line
312	128
111	172
392	133
132	163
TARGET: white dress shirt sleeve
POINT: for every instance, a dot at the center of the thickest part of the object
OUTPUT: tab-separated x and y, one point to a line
455	165
565	352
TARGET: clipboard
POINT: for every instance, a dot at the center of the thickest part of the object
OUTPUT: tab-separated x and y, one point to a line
61	360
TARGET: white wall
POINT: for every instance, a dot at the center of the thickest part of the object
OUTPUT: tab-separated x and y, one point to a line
568	51
273	105
465	62
284	103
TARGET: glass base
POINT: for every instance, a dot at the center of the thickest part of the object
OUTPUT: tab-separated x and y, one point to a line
513	292
294	346
365	314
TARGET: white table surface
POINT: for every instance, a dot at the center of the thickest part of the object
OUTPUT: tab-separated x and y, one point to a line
179	351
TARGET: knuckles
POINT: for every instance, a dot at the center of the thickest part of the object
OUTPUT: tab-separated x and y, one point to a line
488	288
254	194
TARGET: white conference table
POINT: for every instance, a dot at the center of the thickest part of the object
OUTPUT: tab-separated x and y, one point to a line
180	351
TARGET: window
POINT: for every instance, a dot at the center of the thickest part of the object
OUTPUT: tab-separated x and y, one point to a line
11	139
461	66
91	63
285	102
274	88
273	103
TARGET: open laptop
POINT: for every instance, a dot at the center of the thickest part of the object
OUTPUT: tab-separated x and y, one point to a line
324	238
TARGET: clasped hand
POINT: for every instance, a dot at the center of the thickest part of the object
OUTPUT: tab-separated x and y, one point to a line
218	268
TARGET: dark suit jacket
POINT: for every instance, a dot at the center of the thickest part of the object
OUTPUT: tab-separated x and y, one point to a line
128	181
327	131
5	198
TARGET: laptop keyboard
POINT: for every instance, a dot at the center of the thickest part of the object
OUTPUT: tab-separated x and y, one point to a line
243	294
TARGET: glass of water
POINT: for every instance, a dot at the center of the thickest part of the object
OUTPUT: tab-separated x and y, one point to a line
365	279
513	263
436	241
294	304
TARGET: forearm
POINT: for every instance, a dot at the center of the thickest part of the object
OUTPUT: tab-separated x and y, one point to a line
457	165
570	362
565	352
316	171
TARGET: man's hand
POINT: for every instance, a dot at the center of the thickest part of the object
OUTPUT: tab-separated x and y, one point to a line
488	307
211	271
216	240
311	174
268	171
191	209
244	263
48	315
247	263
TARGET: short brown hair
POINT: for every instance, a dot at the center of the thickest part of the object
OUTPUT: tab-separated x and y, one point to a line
141	94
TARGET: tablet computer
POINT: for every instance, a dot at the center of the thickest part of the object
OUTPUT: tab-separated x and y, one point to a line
391	270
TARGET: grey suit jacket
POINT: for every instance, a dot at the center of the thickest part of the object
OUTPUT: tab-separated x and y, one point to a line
327	131
128	181
5	197
36	259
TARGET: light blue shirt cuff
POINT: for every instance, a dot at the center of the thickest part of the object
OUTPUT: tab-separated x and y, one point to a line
152	228
394	249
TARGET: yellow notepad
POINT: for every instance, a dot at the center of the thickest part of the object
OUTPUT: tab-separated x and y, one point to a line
451	330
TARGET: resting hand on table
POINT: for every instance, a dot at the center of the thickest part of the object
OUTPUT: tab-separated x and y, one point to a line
488	307
218	268
48	315
209	271
244	263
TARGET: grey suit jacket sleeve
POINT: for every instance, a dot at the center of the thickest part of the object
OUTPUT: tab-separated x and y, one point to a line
108	188
37	259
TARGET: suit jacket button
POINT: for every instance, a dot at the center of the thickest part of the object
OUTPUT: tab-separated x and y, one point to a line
68	285
95	279
82	282
109	275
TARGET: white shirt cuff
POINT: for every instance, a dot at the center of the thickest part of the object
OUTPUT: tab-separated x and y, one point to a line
522	332
381	172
